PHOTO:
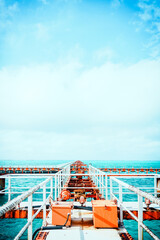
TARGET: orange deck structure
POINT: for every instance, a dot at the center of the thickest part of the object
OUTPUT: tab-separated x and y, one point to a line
74	168
105	214
60	211
29	170
151	214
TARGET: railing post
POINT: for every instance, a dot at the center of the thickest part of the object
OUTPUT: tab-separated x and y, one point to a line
44	202
102	186
9	188
121	200
155	185
58	185
111	189
140	217
52	187
64	177
55	185
106	186
30	217
60	176
94	176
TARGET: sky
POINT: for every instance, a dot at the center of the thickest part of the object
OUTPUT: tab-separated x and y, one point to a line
79	79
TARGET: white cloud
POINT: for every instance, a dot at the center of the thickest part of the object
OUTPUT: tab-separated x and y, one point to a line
41	32
116	3
110	144
12	9
150	15
65	111
45	2
7	10
44	94
105	54
146	13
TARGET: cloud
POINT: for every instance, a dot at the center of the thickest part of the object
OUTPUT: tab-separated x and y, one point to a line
109	143
41	32
116	3
149	15
105	54
7	12
68	111
45	2
63	97
60	94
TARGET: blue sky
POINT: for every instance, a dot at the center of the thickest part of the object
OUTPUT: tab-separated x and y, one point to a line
80	79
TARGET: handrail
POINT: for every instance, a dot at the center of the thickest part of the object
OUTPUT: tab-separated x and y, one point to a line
138	191
13	203
140	194
99	177
29	222
28	194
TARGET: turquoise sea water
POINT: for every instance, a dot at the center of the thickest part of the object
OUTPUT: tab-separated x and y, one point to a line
10	227
96	163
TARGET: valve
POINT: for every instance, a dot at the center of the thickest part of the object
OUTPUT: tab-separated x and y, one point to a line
147	202
65	195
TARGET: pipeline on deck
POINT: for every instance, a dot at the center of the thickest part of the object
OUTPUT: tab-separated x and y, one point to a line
75	183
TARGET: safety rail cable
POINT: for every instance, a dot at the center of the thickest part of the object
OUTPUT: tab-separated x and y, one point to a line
29	223
142	194
13	203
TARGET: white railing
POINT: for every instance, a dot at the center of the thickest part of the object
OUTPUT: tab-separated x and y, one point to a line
28	194
141	194
57	180
61	176
100	179
155	189
57	183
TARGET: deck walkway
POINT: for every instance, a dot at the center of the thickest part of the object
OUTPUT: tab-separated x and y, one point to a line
82	228
79	234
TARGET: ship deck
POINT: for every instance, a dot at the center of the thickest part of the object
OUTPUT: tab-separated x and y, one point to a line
80	202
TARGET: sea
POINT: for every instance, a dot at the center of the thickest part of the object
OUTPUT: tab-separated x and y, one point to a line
9	228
